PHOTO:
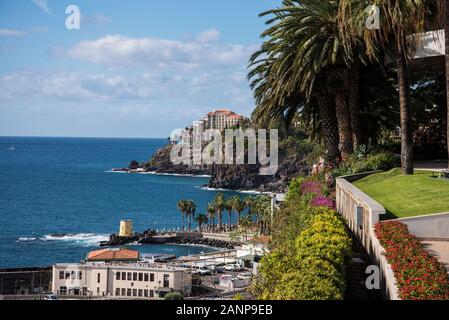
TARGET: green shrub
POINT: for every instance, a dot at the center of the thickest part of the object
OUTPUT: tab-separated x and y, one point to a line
380	161
174	296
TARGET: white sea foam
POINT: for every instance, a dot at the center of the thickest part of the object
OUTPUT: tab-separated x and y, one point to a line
25	239
83	239
238	191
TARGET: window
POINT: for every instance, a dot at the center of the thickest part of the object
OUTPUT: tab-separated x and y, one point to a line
63	290
80	275
61	274
145	277
72	274
98	277
123	292
166	281
145	293
98	290
117	291
128	292
151	294
151	277
118	275
134	292
140	292
129	276
140	276
67	275
134	276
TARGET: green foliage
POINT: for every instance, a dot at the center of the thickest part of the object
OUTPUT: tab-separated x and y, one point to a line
364	161
310	246
174	296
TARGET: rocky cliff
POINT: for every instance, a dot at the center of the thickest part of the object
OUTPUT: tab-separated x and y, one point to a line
236	177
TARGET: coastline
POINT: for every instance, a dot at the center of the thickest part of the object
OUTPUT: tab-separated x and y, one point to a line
159	174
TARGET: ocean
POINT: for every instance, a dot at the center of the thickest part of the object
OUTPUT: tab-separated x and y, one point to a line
64	186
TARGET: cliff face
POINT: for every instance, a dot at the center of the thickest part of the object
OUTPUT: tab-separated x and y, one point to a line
235	177
247	177
161	163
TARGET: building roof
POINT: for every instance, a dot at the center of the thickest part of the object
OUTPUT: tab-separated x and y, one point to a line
235	116
113	255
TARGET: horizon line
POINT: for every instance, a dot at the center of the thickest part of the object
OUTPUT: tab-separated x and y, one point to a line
78	137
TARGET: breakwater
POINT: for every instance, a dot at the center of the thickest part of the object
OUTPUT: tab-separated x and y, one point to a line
153	237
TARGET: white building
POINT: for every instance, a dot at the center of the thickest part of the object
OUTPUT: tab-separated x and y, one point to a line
121	279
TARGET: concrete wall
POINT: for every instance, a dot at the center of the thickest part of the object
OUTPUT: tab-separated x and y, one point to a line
348	199
429	227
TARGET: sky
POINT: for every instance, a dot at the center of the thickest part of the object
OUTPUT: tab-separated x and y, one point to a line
139	68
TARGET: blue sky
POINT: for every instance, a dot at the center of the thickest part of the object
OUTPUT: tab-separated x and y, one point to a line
138	68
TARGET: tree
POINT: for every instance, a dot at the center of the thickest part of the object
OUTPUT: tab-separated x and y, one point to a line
219	204
303	56
211	211
201	219
190	212
246	223
400	20
239	205
182	207
229	206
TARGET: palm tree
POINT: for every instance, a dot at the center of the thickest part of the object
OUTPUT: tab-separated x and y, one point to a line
238	206
182	207
250	203
190	212
211	211
201	219
229	206
219	204
246	223
401	19
304	55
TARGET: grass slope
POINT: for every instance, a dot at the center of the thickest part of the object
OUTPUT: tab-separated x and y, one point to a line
407	196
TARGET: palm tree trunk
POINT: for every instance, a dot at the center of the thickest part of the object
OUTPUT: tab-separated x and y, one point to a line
344	124
182	221
353	100
329	126
446	32
189	222
404	106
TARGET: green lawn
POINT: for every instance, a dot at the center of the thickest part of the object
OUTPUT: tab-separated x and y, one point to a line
407	196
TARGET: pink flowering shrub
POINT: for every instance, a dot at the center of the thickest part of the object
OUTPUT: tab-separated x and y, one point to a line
322	201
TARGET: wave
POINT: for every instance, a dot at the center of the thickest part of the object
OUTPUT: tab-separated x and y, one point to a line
82	239
26	239
238	191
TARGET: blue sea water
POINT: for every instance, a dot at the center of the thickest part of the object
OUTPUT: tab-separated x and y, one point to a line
64	186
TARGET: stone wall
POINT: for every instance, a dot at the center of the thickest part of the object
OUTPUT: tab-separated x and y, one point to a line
348	199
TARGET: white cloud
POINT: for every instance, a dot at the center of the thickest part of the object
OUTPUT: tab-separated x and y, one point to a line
208	36
43	4
11	33
117	50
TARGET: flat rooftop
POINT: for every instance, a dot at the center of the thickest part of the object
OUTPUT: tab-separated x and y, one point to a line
141	266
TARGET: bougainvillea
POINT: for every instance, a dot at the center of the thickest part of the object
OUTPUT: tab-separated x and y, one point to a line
419	276
322	201
310	187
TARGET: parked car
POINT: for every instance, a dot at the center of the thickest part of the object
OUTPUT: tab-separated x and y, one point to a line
233	267
216	269
50	296
202	271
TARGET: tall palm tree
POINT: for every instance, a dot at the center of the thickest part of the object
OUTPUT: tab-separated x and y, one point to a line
211	211
239	205
182	207
304	48
219	204
190	212
229	206
400	20
201	219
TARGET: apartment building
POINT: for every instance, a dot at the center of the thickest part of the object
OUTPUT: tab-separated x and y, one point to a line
120	279
222	119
